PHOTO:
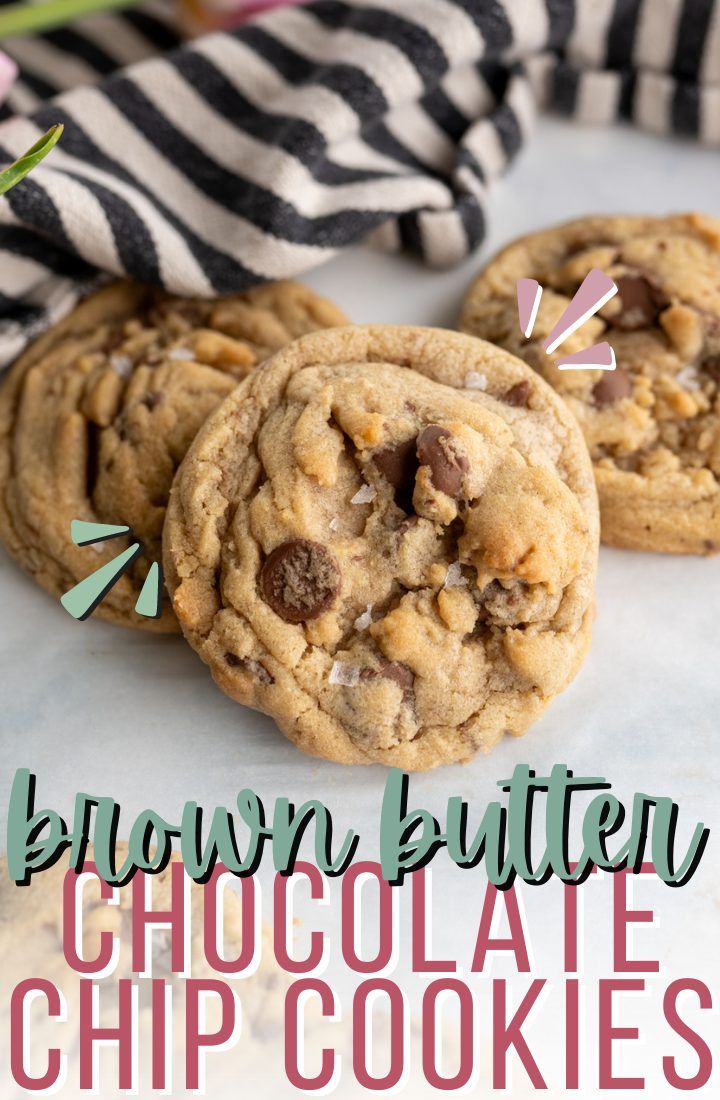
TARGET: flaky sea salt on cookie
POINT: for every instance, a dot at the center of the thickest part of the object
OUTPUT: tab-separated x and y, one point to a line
394	567
97	415
653	424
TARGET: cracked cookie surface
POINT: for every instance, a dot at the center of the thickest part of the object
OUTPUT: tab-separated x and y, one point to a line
387	540
98	414
652	425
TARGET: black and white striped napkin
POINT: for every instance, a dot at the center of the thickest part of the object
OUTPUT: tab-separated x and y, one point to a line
259	153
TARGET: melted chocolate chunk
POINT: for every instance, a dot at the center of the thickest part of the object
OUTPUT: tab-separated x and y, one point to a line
640	303
400	674
398	464
300	580
711	367
114	339
612	387
436	448
519	394
255	668
405	526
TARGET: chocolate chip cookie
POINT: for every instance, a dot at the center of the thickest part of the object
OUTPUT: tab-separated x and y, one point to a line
653	424
97	415
387	540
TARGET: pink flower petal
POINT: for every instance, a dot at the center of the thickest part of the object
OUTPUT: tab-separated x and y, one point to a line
8	73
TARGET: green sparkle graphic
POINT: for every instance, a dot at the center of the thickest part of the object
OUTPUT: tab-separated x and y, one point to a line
83	533
149	602
81	601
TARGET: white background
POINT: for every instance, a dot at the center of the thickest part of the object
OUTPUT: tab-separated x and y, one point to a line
94	708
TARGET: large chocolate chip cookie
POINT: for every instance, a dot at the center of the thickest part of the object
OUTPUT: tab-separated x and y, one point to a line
387	540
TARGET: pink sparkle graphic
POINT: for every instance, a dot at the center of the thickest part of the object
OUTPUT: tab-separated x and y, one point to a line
529	293
597	357
596	289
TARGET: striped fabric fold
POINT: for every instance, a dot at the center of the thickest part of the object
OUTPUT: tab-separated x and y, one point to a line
257	154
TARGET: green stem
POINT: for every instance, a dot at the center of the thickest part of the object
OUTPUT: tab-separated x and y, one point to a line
24	164
35	18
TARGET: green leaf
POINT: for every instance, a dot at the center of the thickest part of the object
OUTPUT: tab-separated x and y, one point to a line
17	171
25	18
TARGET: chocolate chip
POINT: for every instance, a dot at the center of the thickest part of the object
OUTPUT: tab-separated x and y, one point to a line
400	674
152	399
711	546
612	387
437	448
711	367
300	580
259	672
114	339
640	302
255	668
481	599
398	465
407	524
519	394
192	312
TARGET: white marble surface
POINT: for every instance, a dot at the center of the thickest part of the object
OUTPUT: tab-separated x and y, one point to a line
94	708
